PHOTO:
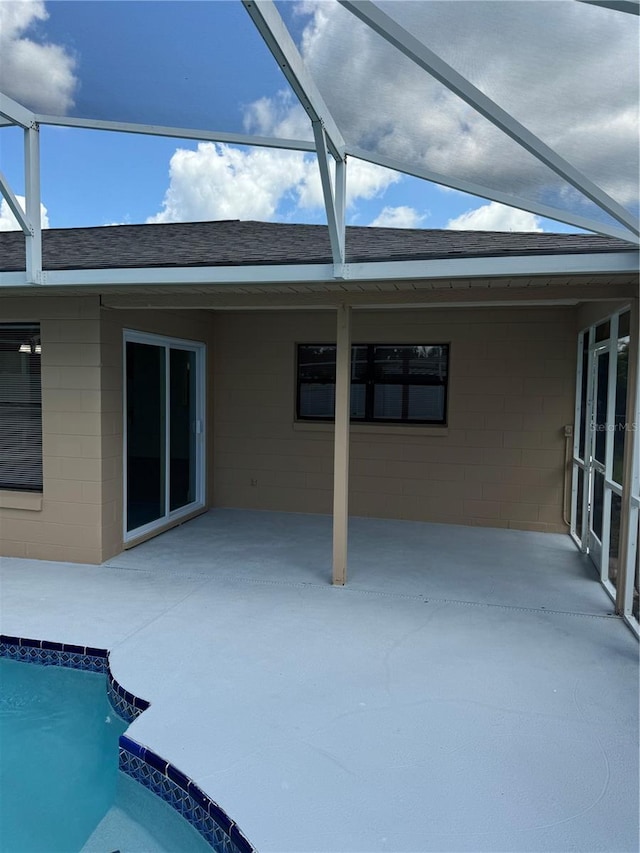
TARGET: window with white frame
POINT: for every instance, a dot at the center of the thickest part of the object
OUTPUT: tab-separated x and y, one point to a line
390	383
20	407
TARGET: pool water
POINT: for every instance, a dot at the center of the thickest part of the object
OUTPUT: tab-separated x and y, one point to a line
61	790
58	756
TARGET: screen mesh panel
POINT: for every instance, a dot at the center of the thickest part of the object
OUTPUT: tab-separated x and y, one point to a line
567	71
198	65
387	105
20	407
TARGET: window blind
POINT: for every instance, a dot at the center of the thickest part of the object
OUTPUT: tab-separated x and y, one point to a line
20	407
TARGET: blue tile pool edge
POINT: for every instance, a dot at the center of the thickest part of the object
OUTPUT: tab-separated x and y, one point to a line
139	762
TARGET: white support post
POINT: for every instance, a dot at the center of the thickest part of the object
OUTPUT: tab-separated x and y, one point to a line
426	59
631	474
341	199
335	216
341	446
33	240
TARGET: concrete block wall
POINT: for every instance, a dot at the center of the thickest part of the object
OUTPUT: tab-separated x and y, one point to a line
64	523
499	462
78	516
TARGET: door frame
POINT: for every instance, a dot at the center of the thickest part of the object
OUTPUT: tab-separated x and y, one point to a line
200	350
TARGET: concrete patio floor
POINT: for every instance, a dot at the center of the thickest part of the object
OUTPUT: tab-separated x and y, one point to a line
467	691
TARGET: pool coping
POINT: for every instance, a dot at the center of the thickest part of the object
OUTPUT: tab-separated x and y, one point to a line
139	762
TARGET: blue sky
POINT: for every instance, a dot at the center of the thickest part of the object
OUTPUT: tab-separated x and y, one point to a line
190	64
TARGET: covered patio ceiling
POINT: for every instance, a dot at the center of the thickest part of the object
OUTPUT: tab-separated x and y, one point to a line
525	106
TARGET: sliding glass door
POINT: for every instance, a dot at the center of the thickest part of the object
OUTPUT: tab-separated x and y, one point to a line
164	431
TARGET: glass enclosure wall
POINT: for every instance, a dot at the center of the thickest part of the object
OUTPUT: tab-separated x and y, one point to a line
605	481
164	430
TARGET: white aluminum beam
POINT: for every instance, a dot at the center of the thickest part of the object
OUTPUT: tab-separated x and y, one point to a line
597	263
276	35
483	192
341	193
614	262
335	217
15	113
177	132
33	240
426	59
14	205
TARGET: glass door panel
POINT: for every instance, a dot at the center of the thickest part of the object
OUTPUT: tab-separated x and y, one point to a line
635	594
601	398
622	365
583	398
145	434
596	517
164	431
614	539
596	453
182	428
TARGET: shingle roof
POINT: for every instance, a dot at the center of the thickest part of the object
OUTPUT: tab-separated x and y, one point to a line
235	243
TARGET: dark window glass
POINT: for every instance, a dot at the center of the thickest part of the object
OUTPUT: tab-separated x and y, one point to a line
620	425
598	504
20	407
614	538
624	323
603	331
389	383
600	422
182	433
583	395
635	608
579	502
145	434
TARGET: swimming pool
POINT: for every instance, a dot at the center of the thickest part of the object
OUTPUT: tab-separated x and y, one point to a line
62	791
59	746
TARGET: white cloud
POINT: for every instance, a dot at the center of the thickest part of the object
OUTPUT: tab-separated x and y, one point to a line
8	222
37	74
280	115
399	217
218	181
495	217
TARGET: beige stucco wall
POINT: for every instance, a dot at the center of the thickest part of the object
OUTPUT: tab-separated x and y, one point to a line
500	463
78	517
65	523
